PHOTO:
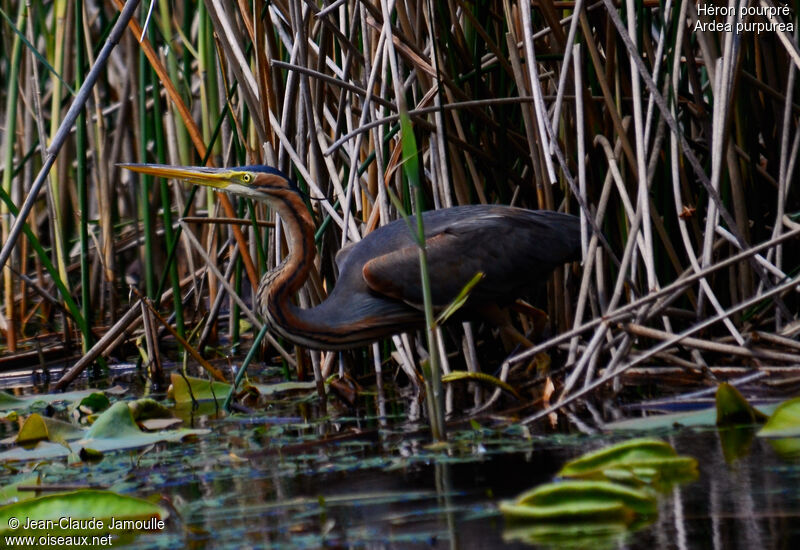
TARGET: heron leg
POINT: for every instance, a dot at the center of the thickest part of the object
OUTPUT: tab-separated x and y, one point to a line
541	360
538	318
512	338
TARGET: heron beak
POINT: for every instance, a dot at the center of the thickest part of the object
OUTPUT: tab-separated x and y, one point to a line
218	178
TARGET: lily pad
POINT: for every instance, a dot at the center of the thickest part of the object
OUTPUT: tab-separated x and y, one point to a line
88	511
627	454
784	422
146	409
641	461
703	417
656	422
10	493
14	402
155	424
113	430
731	409
734	410
581	496
611	511
204	390
44	450
37	427
184	388
580	503
9	401
280	387
95	403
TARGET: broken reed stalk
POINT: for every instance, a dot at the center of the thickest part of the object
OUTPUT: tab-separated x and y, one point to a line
793	284
663	297
103	346
708	345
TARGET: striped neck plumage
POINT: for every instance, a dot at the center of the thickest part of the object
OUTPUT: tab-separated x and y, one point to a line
278	287
330	325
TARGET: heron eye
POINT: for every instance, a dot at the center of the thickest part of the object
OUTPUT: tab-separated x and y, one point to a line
246	178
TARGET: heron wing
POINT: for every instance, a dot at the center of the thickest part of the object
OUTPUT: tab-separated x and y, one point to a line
344	252
513	248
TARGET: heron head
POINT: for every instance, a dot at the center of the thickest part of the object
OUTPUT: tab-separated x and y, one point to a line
256	182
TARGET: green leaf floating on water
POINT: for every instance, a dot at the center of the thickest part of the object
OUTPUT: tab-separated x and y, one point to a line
641	460
702	417
146	408
9	401
580	501
95	402
113	430
615	456
183	389
569	492
204	390
783	429
37	427
603	500
280	387
784	422
733	409
10	493
13	402
81	506
574	509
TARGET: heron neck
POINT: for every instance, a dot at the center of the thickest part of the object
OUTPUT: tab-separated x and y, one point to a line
300	237
335	323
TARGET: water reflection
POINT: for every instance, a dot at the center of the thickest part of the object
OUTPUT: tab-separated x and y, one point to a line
387	489
740	503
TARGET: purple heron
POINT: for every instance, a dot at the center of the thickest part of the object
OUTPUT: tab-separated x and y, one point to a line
378	292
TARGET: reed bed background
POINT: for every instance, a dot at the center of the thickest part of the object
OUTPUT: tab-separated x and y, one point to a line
677	147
